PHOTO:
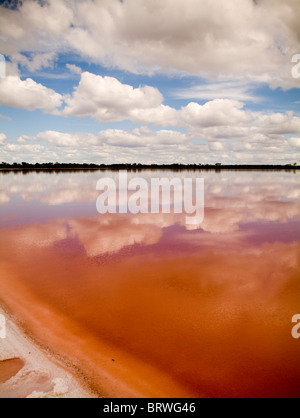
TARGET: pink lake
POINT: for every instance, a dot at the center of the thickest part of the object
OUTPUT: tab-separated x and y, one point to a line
141	305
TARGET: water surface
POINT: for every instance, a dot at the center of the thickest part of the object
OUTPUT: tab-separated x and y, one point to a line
143	305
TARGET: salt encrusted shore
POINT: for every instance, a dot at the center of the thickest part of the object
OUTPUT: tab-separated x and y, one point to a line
26	371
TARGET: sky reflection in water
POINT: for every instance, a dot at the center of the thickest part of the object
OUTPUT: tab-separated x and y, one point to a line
198	312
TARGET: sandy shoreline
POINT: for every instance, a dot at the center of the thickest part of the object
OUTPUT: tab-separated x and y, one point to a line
26	371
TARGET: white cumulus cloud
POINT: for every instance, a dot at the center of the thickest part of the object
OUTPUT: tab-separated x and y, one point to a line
27	94
74	68
242	39
3	138
106	99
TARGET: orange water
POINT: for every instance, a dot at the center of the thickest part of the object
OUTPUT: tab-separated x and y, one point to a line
141	305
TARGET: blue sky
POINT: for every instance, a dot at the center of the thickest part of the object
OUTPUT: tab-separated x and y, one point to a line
174	81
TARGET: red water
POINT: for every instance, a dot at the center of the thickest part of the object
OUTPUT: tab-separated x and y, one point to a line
143	307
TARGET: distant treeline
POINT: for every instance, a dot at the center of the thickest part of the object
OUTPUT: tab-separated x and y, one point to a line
75	167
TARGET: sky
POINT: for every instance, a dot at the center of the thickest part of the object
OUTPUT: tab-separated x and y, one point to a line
150	81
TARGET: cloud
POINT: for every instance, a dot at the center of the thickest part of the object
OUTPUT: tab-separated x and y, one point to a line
295	142
218	130
27	151
248	143
280	123
35	61
34	27
108	234
220	112
246	40
234	90
60	139
138	138
231	202
27	94
74	68
5	117
204	38
106	99
3	138
108	146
